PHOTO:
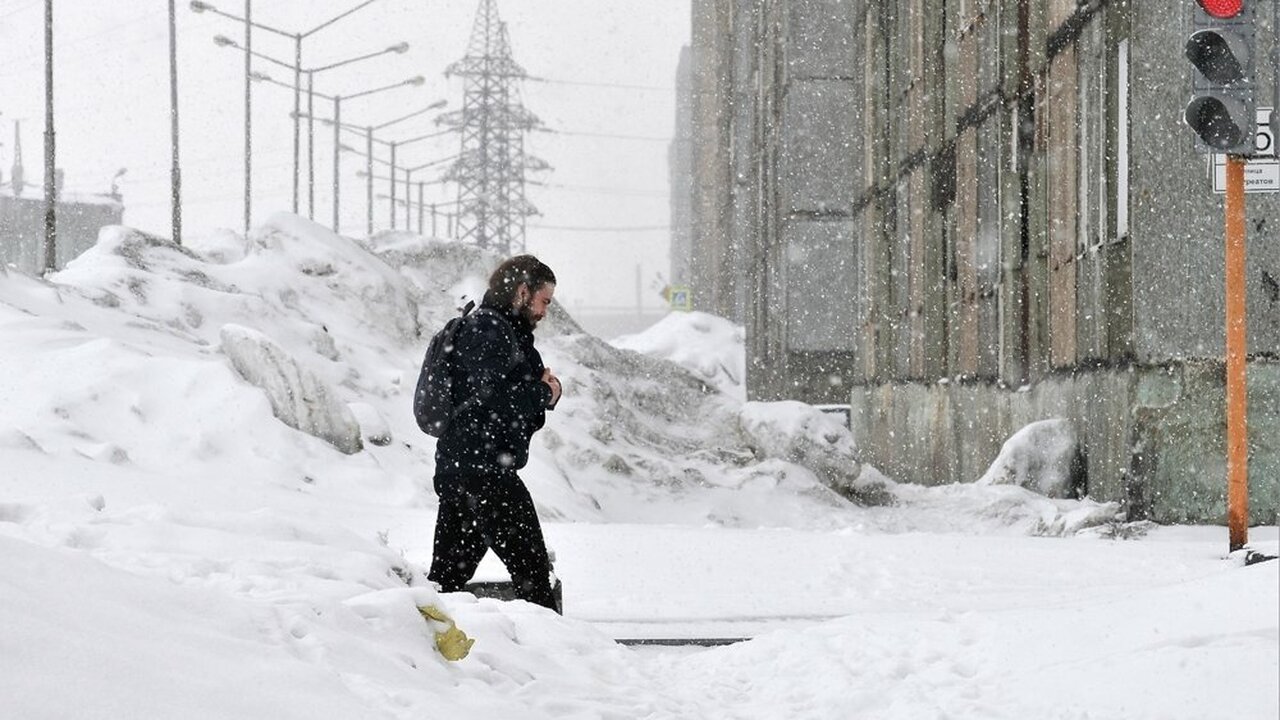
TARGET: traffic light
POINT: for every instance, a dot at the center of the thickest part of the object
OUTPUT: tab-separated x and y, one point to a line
1222	49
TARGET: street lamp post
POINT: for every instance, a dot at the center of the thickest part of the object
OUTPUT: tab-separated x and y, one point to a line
311	145
393	145
337	159
397	144
369	177
423	206
408	188
248	116
368	185
50	164
297	37
223	41
408	204
367	132
311	148
337	137
392	206
175	170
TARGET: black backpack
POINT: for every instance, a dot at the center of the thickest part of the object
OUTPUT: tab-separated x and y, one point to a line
433	405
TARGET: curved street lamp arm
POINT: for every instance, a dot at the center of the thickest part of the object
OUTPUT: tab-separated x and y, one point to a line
414	203
268	58
441	161
335	19
348	61
433	106
260	77
261	56
411	81
206	7
438	133
361	153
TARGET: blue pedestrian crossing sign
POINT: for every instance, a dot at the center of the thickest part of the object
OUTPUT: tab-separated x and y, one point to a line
681	298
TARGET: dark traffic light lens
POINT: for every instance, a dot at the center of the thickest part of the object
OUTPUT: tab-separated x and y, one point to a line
1211	119
1222	9
1211	52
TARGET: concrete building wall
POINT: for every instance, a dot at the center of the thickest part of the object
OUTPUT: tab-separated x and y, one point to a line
970	217
807	166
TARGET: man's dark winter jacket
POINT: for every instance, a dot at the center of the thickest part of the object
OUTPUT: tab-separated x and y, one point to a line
495	362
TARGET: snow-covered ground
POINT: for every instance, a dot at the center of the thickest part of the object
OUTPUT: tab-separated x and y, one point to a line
214	503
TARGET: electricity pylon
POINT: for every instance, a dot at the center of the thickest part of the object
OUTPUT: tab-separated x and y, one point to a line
490	170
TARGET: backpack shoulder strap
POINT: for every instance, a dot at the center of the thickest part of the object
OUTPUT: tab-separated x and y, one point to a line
510	332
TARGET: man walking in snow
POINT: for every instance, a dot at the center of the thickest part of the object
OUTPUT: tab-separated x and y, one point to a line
507	391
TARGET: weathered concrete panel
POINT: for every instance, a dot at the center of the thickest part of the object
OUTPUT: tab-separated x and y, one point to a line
1062	150
1153	437
1180	418
820	39
919	282
820	147
822	299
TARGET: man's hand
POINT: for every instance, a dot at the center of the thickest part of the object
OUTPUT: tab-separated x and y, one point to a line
554	383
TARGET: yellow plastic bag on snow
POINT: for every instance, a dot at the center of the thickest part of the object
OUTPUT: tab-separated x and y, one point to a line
452	643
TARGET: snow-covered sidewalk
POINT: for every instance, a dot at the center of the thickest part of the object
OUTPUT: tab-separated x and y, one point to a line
269	617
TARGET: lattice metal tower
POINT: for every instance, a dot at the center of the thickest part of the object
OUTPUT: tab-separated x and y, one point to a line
490	170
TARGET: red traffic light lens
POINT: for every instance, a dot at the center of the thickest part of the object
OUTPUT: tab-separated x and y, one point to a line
1222	9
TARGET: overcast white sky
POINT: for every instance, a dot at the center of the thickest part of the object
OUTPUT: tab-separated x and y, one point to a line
611	66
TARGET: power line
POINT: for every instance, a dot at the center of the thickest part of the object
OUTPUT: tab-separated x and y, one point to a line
638	228
602	190
20	10
616	86
162	176
19	66
650	138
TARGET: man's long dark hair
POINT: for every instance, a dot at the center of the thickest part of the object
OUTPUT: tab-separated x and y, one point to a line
511	274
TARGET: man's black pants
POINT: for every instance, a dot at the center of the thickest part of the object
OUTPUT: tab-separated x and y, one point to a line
492	510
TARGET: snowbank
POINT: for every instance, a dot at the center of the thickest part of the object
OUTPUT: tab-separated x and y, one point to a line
704	344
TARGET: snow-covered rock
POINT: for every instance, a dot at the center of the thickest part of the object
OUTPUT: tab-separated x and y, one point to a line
1040	457
803	434
299	398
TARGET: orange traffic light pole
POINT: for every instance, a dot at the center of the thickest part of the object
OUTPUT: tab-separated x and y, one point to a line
1237	410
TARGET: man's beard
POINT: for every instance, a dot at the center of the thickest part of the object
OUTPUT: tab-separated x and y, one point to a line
526	312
